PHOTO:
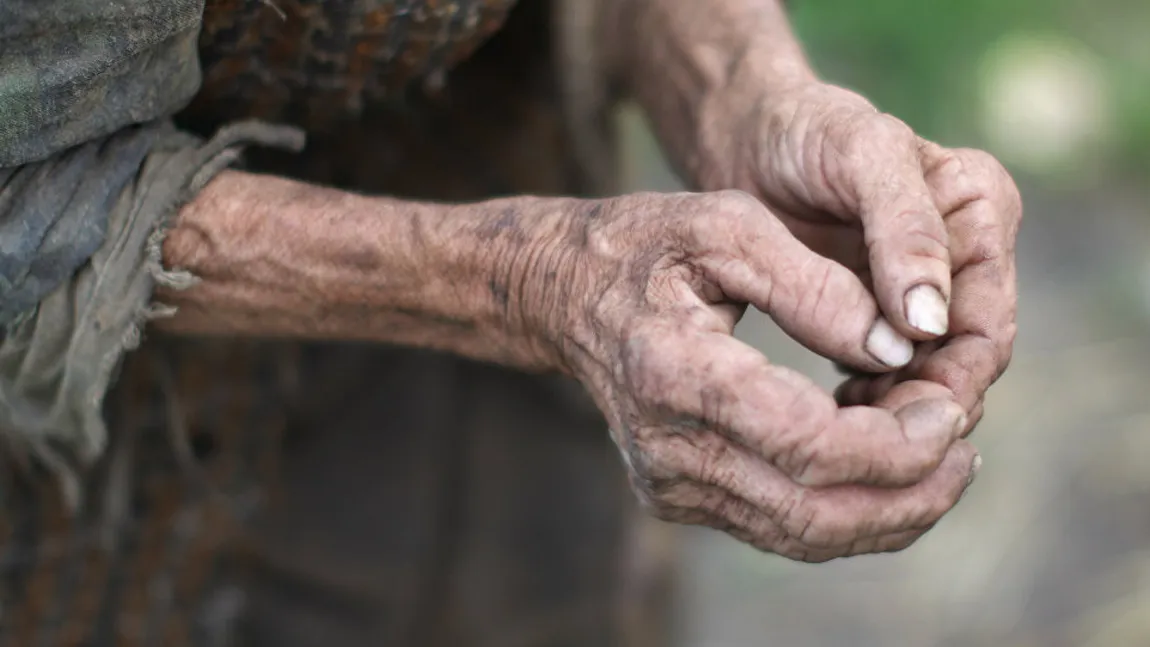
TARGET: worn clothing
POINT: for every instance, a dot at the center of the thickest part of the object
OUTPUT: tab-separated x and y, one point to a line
57	361
286	494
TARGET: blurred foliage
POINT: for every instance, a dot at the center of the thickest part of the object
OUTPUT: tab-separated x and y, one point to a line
926	61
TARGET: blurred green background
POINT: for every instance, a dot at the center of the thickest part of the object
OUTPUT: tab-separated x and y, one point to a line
1051	547
996	73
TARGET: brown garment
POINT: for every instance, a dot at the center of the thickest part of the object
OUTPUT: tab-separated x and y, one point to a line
347	494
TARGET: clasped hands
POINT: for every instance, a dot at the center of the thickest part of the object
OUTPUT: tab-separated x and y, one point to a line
885	253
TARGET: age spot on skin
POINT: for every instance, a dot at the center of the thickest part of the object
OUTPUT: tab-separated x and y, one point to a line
507	225
499	292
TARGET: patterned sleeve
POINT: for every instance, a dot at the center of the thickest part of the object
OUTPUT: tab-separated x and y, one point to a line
90	167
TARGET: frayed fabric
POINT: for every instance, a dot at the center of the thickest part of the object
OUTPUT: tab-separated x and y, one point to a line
58	359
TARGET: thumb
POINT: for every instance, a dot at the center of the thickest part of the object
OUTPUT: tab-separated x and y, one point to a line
754	259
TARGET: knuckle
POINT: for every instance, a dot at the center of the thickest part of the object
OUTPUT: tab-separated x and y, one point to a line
673	495
718	219
735	202
649	369
854	135
988	175
959	376
983	167
1006	346
946	163
808	463
861	133
892	128
654	457
914	234
644	465
806	457
985	240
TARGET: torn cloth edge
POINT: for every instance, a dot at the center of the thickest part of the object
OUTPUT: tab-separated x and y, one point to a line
58	360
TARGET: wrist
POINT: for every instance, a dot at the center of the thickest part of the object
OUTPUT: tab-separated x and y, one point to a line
747	116
700	69
524	262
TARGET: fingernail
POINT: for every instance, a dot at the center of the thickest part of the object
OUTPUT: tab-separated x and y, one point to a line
888	346
931	419
926	310
975	465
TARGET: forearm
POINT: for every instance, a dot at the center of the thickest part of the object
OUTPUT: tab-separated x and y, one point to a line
685	61
278	258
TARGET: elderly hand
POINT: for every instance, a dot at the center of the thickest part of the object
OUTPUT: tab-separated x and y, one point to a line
636	296
642	293
930	230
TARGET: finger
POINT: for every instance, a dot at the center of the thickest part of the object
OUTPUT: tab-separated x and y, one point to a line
829	518
866	446
747	524
974	417
908	392
915	390
792	549
862	389
984	211
834	516
753	258
877	169
799	552
967	364
871	391
780	415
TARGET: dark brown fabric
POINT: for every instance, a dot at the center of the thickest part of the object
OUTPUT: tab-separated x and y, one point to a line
313	62
153	567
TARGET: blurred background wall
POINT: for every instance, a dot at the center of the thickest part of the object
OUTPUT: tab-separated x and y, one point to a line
1052	545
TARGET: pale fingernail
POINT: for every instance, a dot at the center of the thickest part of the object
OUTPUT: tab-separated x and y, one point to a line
926	310
888	346
975	465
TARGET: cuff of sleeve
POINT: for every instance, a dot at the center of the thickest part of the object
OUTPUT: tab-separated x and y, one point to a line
56	362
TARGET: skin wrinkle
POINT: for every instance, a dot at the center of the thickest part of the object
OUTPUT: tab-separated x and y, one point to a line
230	267
632	295
801	457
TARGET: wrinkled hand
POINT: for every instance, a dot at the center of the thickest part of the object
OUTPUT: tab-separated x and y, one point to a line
931	231
644	294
